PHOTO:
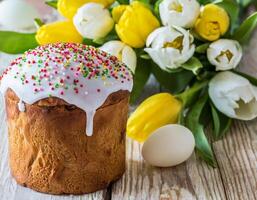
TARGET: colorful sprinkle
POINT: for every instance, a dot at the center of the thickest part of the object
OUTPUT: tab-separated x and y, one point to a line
62	66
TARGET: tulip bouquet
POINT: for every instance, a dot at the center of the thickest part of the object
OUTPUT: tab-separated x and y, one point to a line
192	47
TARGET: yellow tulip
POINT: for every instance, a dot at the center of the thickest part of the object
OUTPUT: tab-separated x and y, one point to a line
62	31
134	23
68	8
212	23
156	111
117	12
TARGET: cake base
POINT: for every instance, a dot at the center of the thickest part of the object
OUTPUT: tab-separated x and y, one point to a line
51	153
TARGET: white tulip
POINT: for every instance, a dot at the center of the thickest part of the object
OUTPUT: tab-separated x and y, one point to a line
170	47
17	15
224	54
123	52
234	96
93	21
181	13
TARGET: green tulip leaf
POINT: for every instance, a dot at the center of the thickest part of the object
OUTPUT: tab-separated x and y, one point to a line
202	48
221	123
193	123
123	1
189	96
180	69
204	2
38	22
156	8
145	56
206	118
245	3
90	42
193	64
244	32
52	3
147	2
17	43
176	82
141	76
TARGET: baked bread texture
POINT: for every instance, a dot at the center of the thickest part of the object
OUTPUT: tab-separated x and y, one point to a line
49	150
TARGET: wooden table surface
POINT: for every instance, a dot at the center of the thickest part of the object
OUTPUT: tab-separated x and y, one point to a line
234	178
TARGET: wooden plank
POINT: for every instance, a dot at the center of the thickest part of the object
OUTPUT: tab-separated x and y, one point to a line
211	180
191	180
249	60
237	159
10	190
237	152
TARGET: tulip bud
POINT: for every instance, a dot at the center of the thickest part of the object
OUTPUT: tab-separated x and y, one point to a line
234	96
156	111
68	8
17	14
170	47
225	54
93	21
212	23
123	52
62	31
182	13
134	23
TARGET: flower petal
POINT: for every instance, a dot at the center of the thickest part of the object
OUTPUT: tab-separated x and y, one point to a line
184	13
93	21
233	95
225	54
129	58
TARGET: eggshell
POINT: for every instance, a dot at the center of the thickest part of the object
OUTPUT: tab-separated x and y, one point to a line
168	146
17	14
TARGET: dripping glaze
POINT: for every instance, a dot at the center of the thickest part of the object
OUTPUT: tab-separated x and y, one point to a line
80	75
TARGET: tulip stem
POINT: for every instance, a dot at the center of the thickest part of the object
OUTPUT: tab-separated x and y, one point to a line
189	95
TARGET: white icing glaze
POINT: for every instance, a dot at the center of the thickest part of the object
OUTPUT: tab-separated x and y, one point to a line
21	106
80	75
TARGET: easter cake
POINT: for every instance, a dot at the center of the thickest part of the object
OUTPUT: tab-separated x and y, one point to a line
67	107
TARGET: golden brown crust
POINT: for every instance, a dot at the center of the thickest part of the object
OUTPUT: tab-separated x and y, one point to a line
50	152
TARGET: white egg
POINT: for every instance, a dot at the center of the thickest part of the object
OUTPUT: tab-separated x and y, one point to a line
17	14
168	146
